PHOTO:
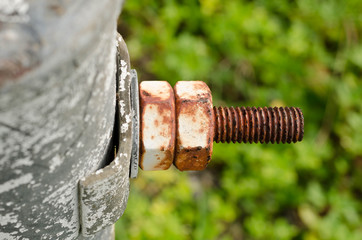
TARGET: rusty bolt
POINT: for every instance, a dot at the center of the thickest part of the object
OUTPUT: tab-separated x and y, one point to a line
189	124
264	125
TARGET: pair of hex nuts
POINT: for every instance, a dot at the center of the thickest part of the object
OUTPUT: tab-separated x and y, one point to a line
177	125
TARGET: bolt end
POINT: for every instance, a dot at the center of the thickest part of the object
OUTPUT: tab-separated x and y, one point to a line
258	125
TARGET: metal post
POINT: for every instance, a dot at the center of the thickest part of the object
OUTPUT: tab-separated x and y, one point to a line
57	111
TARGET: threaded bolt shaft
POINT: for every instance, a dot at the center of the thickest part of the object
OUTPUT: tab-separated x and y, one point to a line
264	125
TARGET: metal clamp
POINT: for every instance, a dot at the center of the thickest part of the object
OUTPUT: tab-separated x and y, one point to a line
104	194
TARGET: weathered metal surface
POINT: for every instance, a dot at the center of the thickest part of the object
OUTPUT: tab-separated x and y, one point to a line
57	110
20	45
107	233
136	124
195	125
157	125
104	193
258	125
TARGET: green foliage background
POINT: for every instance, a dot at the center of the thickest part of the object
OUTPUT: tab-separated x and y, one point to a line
303	53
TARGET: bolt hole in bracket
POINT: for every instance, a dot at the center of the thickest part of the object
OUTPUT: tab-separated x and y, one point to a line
103	195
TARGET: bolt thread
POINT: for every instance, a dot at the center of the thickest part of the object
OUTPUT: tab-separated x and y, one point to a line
264	125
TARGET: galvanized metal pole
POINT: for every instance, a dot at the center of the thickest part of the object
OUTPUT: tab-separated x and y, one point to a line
57	111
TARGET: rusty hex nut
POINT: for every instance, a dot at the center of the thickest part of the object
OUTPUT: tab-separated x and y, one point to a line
157	130
195	125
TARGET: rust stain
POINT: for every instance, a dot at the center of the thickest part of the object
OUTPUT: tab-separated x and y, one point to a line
195	158
194	142
57	9
20	51
256	125
156	123
160	123
166	162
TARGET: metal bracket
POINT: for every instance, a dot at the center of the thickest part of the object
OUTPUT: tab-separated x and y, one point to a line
104	194
135	103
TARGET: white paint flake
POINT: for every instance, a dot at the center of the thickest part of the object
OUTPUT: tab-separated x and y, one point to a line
122	105
14	11
6	236
124	126
55	162
124	74
8	218
22	162
14	183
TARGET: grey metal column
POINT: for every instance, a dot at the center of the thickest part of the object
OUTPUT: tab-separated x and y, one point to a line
57	111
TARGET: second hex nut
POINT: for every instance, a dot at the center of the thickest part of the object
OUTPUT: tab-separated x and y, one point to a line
195	125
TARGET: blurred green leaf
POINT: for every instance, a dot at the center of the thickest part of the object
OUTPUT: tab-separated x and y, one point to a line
302	53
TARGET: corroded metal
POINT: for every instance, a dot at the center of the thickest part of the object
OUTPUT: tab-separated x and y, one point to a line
104	193
157	143
258	125
198	124
195	125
